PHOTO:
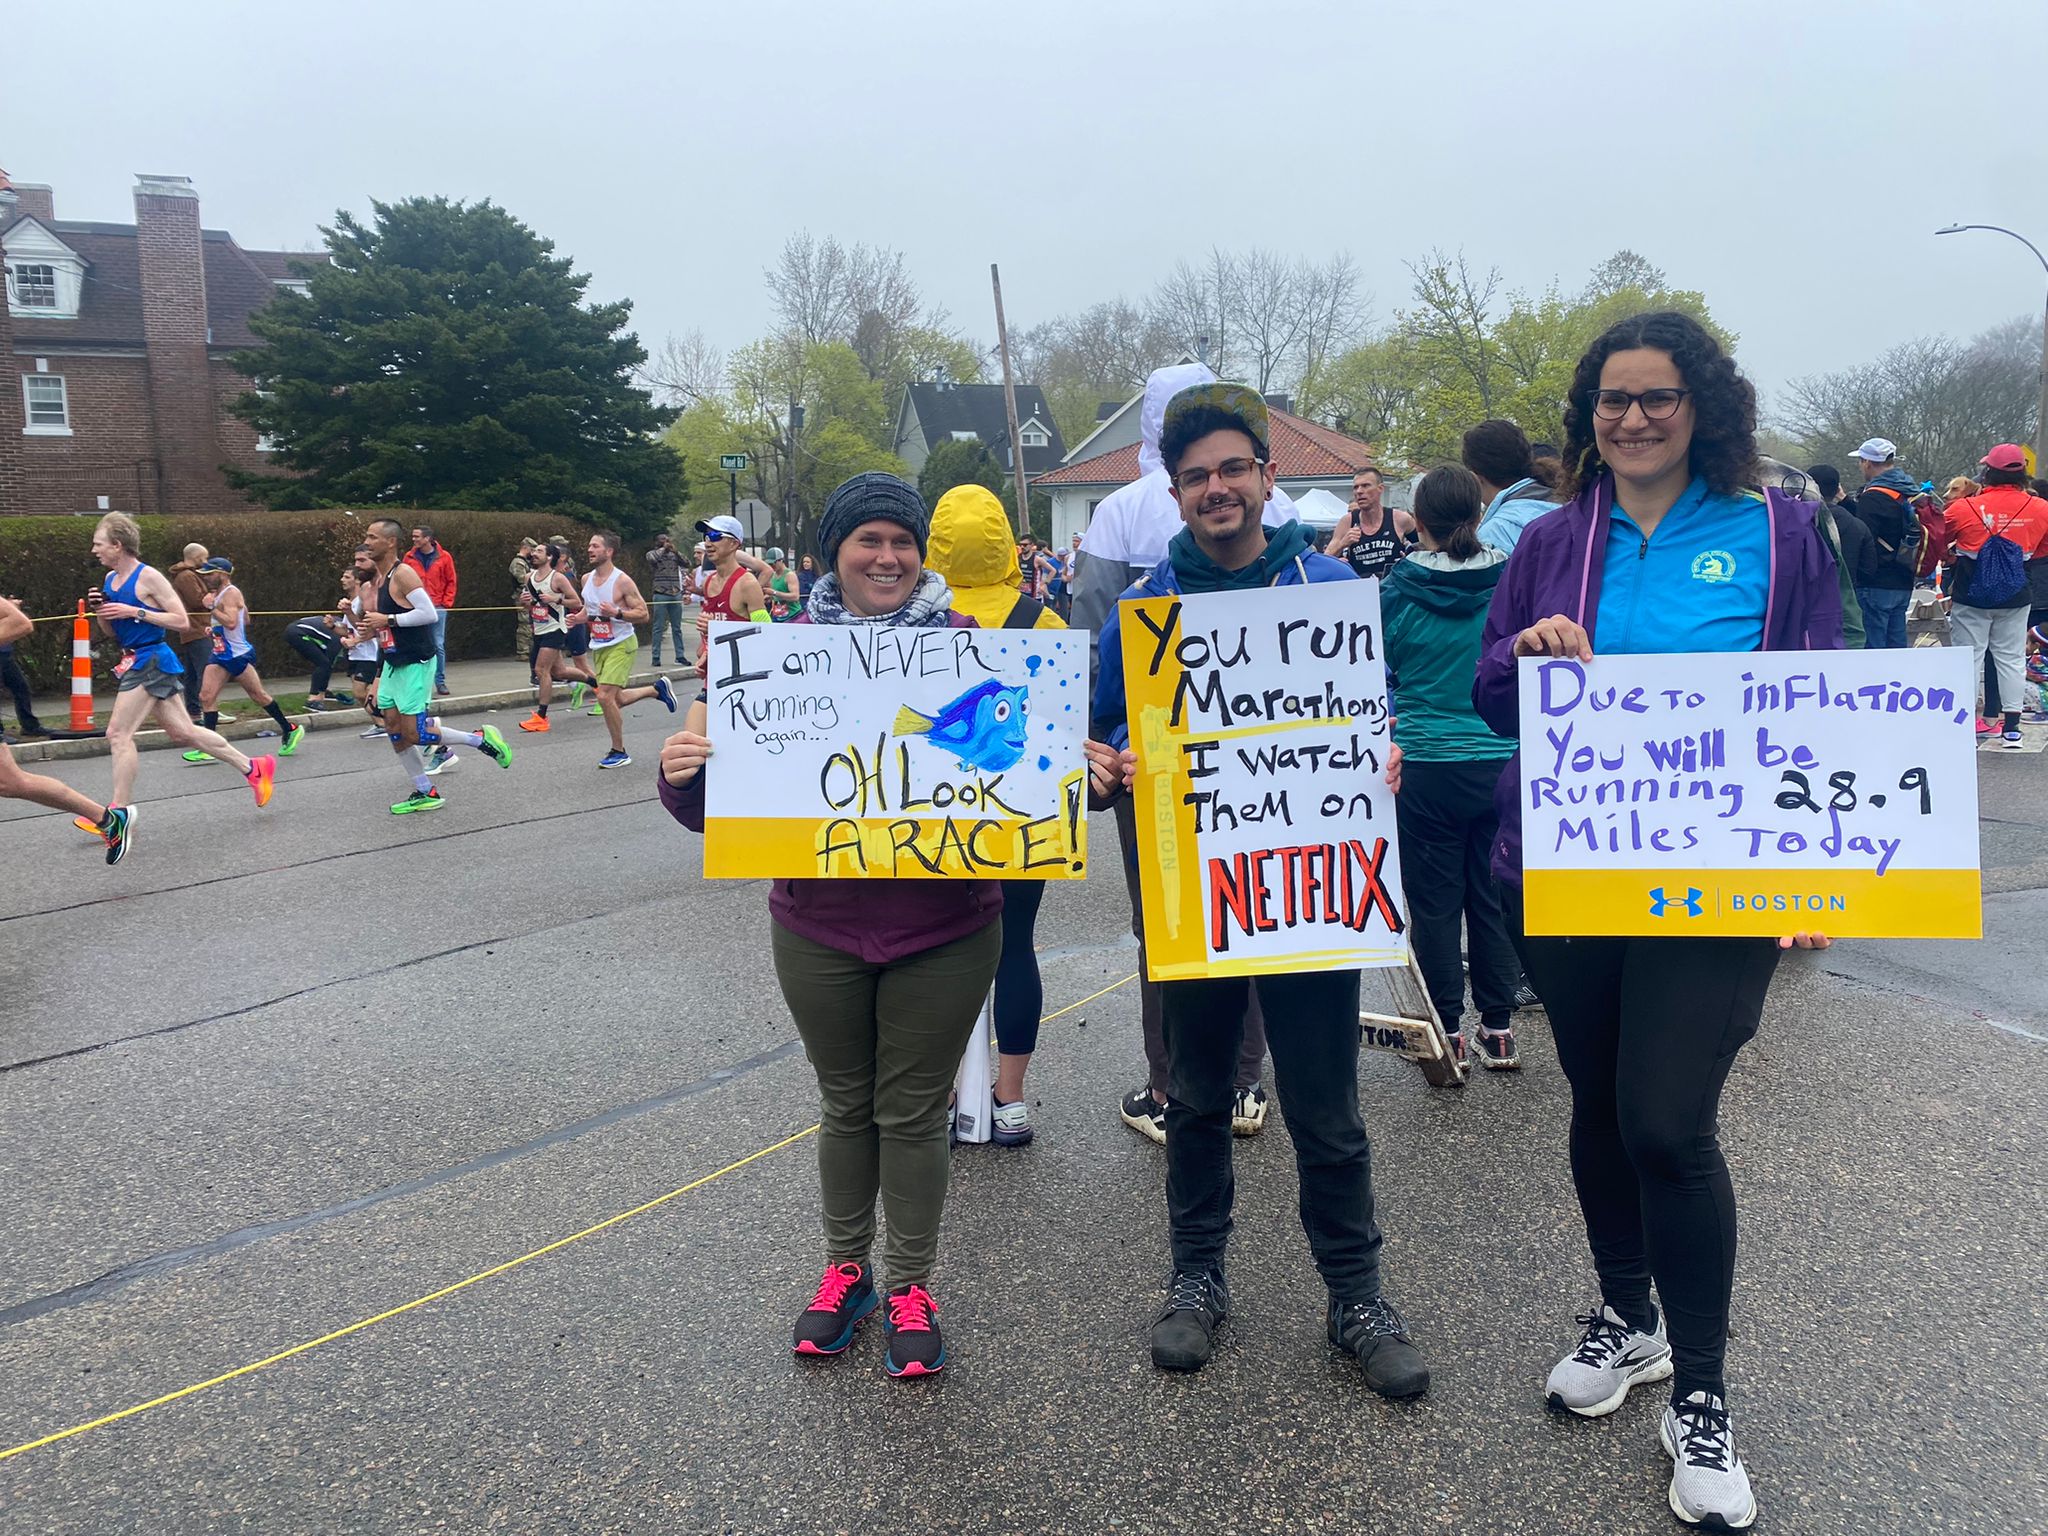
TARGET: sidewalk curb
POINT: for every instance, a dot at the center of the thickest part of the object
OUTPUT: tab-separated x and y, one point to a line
251	727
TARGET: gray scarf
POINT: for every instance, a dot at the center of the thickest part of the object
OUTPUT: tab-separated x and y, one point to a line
929	606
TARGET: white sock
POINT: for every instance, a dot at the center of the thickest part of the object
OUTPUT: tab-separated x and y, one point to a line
450	736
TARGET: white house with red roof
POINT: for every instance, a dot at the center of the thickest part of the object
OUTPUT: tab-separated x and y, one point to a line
1306	457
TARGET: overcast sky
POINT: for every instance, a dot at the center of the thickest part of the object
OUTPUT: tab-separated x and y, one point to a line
1791	159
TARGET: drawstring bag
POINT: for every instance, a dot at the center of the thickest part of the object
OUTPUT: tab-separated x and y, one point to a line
2000	572
974	1087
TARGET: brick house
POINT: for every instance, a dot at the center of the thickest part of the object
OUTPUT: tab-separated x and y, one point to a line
120	336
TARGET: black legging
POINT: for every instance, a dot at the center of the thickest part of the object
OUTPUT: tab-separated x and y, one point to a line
16	683
314	641
1020	994
1646	1032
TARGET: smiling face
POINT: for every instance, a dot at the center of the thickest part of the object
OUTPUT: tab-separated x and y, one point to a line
1221	510
877	566
1641	451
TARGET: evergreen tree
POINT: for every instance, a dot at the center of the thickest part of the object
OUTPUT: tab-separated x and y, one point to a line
445	357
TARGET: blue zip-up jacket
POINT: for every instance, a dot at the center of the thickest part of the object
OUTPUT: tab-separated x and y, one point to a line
1108	709
1510	512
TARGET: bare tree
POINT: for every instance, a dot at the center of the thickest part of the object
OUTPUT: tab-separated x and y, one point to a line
688	368
1196	302
1333	311
809	285
1941	400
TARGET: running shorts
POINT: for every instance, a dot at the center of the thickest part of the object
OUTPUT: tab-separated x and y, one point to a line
613	664
406	686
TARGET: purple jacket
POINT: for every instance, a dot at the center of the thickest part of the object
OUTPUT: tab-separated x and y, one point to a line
1556	568
878	920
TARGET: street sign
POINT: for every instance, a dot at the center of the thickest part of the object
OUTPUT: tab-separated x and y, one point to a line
732	461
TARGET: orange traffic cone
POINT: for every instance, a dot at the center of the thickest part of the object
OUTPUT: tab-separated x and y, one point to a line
81	670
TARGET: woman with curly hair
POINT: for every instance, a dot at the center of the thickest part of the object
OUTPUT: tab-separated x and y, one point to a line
1659	549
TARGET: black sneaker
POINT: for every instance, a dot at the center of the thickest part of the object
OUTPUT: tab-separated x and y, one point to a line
1184	1335
845	1296
1372	1333
911	1326
1145	1114
1497	1051
1525	995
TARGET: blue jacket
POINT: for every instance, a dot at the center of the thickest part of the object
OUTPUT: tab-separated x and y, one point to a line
1108	708
1510	512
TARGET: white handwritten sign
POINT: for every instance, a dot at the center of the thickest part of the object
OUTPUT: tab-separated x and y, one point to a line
1761	792
868	750
1265	830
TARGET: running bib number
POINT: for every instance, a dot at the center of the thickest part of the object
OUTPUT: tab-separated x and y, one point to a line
127	661
543	614
220	643
387	638
600	629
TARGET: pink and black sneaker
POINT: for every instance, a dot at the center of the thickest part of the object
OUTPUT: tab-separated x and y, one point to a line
912	1329
845	1296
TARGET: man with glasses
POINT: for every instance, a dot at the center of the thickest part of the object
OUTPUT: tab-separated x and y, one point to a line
1214	446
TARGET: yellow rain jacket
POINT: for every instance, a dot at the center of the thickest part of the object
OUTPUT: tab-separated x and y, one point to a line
973	547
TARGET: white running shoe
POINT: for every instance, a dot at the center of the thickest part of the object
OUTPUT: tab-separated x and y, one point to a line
1709	1486
1248	1111
439	758
1611	1357
374	733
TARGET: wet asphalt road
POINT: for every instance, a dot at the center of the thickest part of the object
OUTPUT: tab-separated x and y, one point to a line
282	1073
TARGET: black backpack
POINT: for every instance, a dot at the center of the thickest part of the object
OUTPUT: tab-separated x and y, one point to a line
1025	614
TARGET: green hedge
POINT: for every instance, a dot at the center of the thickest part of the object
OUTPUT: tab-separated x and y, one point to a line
285	562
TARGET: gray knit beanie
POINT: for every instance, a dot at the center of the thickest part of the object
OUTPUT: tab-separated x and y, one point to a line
869	498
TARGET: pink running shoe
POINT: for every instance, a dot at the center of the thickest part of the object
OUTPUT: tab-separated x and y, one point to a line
912	1329
262	777
845	1296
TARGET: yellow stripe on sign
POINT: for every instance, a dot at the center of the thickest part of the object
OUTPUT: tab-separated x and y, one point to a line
1763	903
1279	965
899	847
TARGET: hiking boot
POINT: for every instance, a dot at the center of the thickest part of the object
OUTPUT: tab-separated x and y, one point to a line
1373	1334
1709	1485
1145	1114
1497	1051
1248	1111
1611	1358
844	1297
911	1327
1184	1334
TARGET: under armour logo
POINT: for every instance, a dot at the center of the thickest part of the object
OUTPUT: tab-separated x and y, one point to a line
1690	901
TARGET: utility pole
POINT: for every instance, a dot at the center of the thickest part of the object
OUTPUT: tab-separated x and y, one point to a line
1017	476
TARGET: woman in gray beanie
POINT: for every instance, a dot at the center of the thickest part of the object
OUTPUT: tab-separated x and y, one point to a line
884	978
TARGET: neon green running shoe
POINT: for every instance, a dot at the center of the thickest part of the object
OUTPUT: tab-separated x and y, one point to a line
494	747
430	801
576	691
595	709
292	738
197	756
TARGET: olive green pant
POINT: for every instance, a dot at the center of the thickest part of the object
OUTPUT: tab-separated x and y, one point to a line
885	1041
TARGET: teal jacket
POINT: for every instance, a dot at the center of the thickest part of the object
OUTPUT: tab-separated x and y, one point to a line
1433	610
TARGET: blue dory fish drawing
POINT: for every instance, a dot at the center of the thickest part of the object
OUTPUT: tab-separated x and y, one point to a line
984	727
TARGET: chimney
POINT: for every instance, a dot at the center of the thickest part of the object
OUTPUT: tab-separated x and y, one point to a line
35	202
173	273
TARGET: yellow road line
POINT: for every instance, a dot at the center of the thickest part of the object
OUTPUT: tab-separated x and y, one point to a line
460	1285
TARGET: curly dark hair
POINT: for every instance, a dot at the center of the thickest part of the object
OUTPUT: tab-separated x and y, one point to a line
1723	401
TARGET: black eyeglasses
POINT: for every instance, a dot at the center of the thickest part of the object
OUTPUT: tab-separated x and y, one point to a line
1657	404
1230	471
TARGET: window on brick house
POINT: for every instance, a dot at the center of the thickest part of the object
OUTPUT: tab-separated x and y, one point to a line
46	405
35	285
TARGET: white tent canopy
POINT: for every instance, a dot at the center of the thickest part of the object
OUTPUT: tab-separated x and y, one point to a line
1319	508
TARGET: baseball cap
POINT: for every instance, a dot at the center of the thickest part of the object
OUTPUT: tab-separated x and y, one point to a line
2004	456
773	555
1878	450
223	564
724	526
1246	406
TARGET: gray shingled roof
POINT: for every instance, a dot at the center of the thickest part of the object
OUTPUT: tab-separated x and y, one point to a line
978	408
